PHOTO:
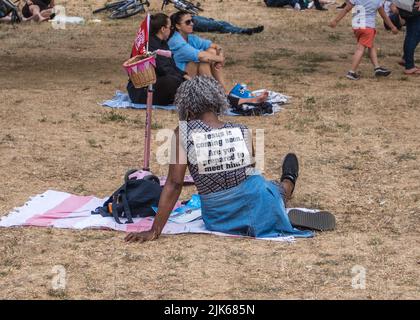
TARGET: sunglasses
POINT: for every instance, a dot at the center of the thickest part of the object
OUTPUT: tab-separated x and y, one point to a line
188	22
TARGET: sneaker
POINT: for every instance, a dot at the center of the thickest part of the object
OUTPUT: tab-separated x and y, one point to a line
240	91
290	168
297	7
311	5
382	72
352	76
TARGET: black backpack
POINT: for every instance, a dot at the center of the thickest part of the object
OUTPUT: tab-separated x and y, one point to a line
135	198
253	109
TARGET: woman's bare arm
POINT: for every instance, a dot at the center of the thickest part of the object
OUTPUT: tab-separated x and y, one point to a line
169	196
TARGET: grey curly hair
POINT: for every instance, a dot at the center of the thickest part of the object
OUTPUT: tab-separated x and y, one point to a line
199	95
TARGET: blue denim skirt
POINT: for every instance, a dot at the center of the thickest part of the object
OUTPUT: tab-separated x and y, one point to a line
253	208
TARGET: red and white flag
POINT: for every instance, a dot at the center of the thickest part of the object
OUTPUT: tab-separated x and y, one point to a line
140	45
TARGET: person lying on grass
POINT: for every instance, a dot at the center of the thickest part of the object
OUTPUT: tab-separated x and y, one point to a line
38	10
235	198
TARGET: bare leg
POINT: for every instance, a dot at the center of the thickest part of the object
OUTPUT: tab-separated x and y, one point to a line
6	19
36	14
192	69
373	57
357	57
288	187
46	13
217	72
261	98
204	69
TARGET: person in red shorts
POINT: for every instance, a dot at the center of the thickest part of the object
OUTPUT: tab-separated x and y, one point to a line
364	28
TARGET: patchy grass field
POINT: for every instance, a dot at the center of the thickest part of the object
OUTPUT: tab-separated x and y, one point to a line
358	144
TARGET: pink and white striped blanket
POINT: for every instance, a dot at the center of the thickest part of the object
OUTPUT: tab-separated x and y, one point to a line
63	210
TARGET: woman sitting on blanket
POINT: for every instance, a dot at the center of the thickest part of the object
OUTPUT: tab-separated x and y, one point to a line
193	54
235	198
168	76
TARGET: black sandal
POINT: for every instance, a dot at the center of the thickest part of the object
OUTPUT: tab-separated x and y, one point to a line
319	221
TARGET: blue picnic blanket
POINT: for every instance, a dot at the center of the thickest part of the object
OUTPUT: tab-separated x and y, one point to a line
122	100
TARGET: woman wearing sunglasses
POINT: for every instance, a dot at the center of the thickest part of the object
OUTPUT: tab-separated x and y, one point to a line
168	76
192	54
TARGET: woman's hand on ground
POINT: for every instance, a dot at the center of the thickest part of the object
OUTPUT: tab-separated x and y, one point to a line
141	236
394	30
333	24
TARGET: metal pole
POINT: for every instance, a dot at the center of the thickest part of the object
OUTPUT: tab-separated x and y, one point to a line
147	133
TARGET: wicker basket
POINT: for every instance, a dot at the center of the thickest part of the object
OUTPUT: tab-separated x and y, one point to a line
141	70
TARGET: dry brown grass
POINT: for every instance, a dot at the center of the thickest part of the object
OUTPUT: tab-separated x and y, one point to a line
358	144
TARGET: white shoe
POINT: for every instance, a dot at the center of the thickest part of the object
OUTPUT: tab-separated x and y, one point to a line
297	6
311	5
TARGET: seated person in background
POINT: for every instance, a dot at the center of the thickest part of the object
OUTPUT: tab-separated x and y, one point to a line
235	197
192	54
38	10
204	24
168	76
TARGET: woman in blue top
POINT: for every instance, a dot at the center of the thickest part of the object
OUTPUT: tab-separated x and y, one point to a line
235	198
192	54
